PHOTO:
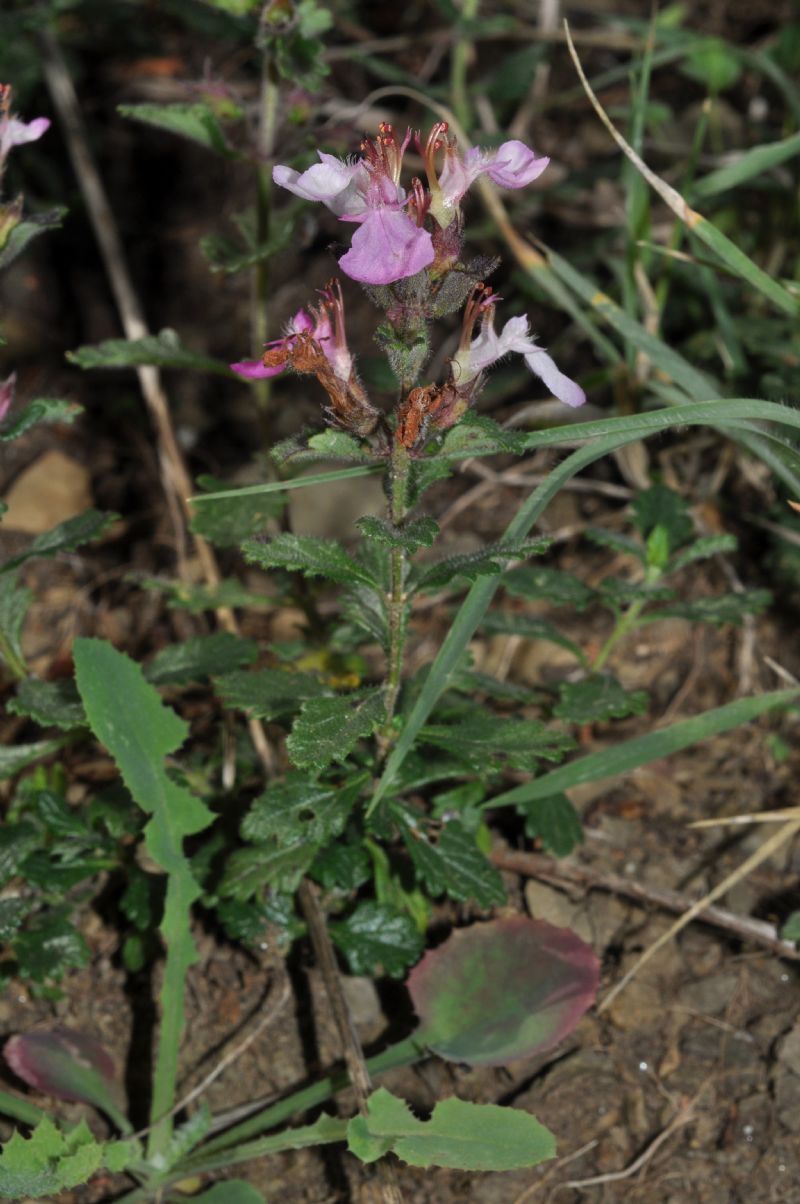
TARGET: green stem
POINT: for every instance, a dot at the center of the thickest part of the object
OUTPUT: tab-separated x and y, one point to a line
399	469
624	624
288	1139
459	64
404	1053
20	1109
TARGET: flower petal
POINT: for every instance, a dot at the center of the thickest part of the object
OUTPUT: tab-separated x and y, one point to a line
332	181
14	132
387	246
255	370
559	385
514	165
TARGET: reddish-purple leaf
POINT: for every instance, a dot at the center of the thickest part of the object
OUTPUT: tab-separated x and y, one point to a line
502	990
65	1064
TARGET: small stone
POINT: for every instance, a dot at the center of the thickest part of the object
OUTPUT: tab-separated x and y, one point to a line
709	995
789	1050
362	999
53	489
787	1099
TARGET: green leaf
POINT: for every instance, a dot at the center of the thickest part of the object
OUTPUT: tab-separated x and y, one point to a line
300	808
713	64
250	870
66	537
310	556
342	866
747	165
229	521
26	230
197	122
790	930
454	865
162	350
236	255
269	693
128	717
555	822
49	946
199	657
43	410
731	608
459	1135
12	760
48	1161
12	914
14	603
49	703
476	433
550	585
328	729
491	560
702	549
630	754
376	940
615	540
659	506
232	1191
596	699
479	737
504	622
16	842
331	444
418	533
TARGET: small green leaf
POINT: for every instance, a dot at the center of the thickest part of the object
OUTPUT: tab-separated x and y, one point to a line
418	533
598	698
731	608
50	946
49	703
248	871
342	866
26	230
713	64
454	865
162	350
555	822
459	1135
328	729
197	122
300	808
14	603
551	585
477	433
790	930
377	939
702	549
269	693
310	556
16	842
490	561
66	537
228	521
199	657
12	760
659	506
481	737
182	595
43	410
504	622
331	444
615	540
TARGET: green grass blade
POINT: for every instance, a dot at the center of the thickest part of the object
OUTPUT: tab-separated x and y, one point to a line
729	254
622	758
751	163
319	478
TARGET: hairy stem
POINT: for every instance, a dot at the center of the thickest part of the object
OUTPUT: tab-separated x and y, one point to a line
399	468
268	122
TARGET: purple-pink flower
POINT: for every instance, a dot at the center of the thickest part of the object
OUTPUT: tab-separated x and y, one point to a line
512	165
325	326
488	347
14	132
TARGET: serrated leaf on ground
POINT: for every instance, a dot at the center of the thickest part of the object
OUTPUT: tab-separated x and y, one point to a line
454	865
14	603
249	870
459	1135
555	822
377	938
327	729
43	410
418	533
49	946
308	555
268	693
471	565
552	585
199	657
477	432
660	506
477	738
731	608
702	549
598	698
12	760
162	350
66	537
300	808
49	703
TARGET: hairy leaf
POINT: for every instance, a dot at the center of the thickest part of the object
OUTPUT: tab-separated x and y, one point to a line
49	703
552	585
418	533
702	549
491	560
731	608
310	556
459	1135
14	603
377	939
26	230
659	506
301	809
66	537
12	760
504	622
49	946
454	865
555	822
228	521
477	738
268	693
328	729
598	698
200	657
162	350
43	410
250	870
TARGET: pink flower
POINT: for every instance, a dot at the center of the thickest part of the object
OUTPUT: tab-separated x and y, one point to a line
388	245
14	132
489	347
512	165
325	327
257	369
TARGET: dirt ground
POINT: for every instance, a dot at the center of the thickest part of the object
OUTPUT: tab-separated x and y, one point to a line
687	1089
